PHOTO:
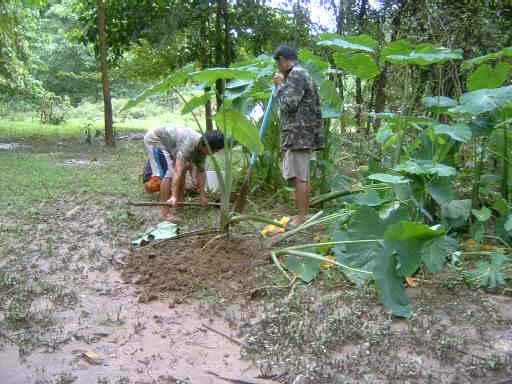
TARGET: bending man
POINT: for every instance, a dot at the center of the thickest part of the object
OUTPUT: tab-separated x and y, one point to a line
182	147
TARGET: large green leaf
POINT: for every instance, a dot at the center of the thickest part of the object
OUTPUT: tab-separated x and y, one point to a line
489	274
360	65
361	256
365	224
383	134
434	251
175	79
425	167
370	198
486	76
482	214
458	132
331	101
397	47
505	52
425	54
387	178
407	238
456	212
330	98
350	43
305	267
196	102
441	190
211	75
438	104
483	100
164	230
390	286
236	125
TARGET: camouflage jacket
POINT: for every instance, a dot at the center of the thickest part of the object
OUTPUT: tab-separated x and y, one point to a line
301	118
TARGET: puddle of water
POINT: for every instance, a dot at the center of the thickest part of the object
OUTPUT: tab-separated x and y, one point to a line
79	162
138	341
10	146
11	370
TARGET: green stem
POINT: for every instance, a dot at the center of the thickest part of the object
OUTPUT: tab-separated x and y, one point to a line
321	258
479	159
336	194
504	180
314	245
240	218
279	266
308	224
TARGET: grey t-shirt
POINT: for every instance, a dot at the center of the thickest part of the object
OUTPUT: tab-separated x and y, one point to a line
181	142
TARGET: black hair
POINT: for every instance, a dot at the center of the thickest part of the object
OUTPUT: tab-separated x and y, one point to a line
215	140
285	51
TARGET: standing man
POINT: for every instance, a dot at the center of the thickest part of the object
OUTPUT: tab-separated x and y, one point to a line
182	148
301	124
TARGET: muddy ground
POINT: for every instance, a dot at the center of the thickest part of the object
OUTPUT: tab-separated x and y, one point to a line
79	304
72	313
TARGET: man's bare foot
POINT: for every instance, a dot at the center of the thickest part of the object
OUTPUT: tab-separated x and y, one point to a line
295	222
173	217
165	211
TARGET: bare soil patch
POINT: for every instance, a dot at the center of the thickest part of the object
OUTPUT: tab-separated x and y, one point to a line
182	267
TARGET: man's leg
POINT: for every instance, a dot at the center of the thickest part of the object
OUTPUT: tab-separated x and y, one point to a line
296	168
301	200
167	163
165	194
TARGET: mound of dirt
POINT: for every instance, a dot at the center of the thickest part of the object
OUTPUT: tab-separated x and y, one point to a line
182	267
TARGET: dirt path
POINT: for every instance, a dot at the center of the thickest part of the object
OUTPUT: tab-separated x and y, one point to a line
102	334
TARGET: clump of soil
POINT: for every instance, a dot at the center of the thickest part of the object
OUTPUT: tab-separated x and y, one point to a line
189	265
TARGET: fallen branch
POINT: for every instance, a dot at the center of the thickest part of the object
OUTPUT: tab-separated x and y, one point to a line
232	339
232	380
200	232
166	204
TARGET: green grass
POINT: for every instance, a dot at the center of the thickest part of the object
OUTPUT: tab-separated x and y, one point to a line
37	172
29	128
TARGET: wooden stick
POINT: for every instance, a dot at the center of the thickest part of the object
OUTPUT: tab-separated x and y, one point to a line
233	340
166	204
232	380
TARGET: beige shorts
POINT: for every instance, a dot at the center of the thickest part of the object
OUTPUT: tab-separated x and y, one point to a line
296	164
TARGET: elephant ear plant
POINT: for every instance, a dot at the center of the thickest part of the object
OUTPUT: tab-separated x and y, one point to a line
235	125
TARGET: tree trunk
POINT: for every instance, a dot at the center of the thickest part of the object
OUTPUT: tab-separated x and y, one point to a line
107	101
228	49
359	91
340	23
205	63
219	45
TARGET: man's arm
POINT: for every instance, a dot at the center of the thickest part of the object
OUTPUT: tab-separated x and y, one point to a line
201	182
178	182
291	92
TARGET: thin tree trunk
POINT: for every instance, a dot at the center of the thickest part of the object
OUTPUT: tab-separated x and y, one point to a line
359	88
107	101
340	23
205	64
227	35
219	40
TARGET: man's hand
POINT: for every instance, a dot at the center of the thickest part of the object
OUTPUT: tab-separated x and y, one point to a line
203	200
172	201
278	79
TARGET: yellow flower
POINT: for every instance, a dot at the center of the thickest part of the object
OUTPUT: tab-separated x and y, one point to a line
326	264
272	229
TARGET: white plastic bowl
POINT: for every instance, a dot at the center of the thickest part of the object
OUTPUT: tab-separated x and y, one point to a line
212	181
